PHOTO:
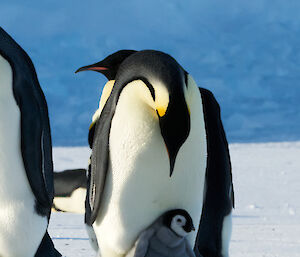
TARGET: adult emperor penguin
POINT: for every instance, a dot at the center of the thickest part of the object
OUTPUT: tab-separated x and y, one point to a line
158	143
26	179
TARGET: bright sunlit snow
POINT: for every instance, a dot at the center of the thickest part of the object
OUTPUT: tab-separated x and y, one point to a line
266	220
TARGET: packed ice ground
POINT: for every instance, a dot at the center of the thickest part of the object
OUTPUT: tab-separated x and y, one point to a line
246	52
266	220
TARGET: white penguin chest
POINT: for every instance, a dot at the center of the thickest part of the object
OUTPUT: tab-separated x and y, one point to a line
18	219
139	188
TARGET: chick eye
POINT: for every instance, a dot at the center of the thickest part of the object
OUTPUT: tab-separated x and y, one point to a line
179	220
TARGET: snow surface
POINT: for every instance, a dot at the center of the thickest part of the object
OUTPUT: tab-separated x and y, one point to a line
266	220
246	52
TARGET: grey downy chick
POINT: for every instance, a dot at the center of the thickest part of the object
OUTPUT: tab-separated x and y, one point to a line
166	237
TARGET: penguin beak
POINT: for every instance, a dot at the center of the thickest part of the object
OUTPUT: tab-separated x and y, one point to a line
93	67
174	126
189	227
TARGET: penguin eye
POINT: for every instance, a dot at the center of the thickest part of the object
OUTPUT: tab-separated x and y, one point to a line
179	220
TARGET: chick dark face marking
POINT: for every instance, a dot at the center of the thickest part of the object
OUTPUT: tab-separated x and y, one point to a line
179	221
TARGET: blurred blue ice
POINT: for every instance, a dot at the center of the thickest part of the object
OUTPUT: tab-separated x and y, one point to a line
246	52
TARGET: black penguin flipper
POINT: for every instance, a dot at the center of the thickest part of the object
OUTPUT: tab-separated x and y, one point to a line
218	198
99	161
37	155
36	144
46	248
91	134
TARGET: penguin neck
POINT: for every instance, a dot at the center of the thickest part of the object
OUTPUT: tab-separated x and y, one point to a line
168	237
9	116
137	98
105	94
6	82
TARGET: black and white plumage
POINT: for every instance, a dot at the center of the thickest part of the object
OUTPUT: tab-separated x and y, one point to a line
70	190
26	172
165	237
157	143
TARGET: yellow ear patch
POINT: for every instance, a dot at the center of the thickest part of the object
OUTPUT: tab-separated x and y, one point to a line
106	93
95	118
161	111
161	98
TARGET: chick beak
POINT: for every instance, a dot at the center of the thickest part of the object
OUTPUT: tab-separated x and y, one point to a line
189	227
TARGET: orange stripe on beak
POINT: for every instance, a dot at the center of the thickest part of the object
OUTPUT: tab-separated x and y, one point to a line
97	68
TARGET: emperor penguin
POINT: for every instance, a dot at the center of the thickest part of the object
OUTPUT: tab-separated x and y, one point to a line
158	143
26	172
70	190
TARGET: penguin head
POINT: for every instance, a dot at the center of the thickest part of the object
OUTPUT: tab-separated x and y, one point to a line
110	65
162	84
179	221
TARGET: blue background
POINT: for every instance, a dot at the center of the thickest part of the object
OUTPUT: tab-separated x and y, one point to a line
246	52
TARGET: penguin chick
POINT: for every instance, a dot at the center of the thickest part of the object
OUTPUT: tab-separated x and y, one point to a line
165	237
